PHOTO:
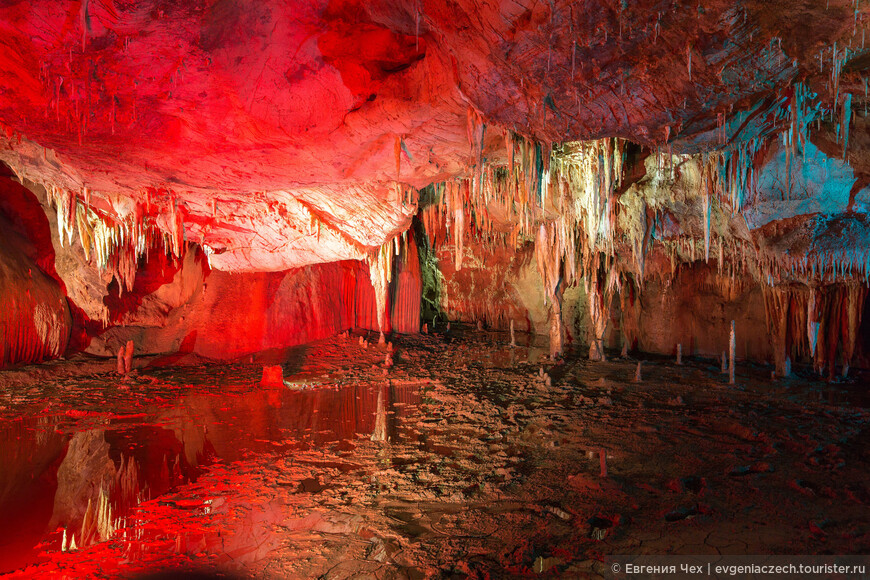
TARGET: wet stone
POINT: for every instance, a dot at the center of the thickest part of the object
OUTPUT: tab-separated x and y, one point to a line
471	475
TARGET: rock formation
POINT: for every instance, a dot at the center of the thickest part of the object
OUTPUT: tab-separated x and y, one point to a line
220	178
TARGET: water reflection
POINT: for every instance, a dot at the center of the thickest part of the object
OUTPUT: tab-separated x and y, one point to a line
66	487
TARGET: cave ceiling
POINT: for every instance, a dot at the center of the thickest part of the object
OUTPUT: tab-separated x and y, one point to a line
279	134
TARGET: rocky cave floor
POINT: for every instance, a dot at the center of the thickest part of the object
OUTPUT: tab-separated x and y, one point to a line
491	466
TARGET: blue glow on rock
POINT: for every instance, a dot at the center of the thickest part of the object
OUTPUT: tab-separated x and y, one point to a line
817	184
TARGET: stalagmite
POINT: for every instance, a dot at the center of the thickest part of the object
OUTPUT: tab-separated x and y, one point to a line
724	363
732	354
122	367
513	338
637	377
128	357
679	354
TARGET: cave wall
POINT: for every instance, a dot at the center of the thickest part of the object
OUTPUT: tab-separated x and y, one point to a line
34	318
692	306
497	286
224	316
35	322
56	297
182	305
695	309
568	138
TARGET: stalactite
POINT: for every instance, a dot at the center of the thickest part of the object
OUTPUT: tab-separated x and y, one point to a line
115	245
381	273
458	226
601	286
812	322
776	302
549	261
845	119
732	355
176	225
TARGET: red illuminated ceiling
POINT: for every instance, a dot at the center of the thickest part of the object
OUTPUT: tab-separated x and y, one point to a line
243	114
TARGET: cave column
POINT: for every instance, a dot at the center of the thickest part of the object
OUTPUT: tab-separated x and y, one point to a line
549	260
599	312
630	311
380	274
557	327
776	306
813	329
855	295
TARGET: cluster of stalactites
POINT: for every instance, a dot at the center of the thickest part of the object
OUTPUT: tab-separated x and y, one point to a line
735	258
818	322
729	180
586	176
114	246
790	120
579	208
380	263
817	267
562	199
841	111
738	173
603	282
454	215
738	258
572	187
